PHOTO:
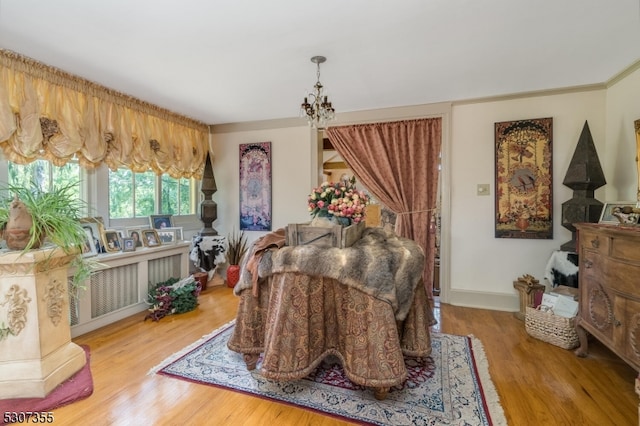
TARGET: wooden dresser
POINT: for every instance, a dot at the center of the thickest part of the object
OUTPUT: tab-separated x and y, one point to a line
609	288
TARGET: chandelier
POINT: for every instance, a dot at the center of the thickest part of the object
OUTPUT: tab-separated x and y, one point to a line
320	110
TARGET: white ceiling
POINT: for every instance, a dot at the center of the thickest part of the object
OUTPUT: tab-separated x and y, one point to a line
223	61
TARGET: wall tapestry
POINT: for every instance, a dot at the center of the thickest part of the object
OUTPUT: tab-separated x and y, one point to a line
255	186
524	196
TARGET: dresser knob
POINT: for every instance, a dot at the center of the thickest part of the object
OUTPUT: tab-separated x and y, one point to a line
617	323
595	243
588	264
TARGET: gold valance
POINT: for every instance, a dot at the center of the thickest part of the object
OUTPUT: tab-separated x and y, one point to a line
46	113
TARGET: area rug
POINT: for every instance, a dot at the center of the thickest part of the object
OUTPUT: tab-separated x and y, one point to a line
75	388
452	387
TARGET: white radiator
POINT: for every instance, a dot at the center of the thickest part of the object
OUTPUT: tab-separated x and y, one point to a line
113	289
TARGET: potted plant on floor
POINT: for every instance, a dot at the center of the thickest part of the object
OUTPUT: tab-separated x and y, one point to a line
236	248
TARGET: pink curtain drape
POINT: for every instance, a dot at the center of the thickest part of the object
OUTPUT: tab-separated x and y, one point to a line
399	163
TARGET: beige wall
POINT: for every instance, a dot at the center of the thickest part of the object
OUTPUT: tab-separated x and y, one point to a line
290	175
478	269
622	109
483	267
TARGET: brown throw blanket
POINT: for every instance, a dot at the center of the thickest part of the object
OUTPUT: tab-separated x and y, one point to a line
381	264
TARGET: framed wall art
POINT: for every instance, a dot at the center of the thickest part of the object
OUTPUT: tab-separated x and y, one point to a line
524	193
255	186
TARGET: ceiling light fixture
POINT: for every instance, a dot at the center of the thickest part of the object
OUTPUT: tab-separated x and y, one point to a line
320	110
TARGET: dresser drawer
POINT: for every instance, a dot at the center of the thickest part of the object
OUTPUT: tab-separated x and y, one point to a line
623	278
627	249
592	265
594	241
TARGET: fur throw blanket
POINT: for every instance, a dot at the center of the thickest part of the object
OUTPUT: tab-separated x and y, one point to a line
381	264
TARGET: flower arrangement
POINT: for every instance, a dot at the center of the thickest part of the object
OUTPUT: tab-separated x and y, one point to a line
339	200
172	296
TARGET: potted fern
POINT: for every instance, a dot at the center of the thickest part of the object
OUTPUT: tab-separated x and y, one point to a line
236	248
29	216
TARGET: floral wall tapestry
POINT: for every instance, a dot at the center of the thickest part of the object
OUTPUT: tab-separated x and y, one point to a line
524	203
255	186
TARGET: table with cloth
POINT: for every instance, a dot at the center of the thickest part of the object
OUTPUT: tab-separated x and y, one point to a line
365	304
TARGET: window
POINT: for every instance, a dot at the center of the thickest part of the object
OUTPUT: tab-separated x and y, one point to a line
137	194
44	175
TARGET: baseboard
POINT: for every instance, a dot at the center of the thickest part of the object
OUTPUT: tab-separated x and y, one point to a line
484	300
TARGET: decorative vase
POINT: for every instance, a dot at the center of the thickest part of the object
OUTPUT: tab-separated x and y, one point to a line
522	223
233	275
18	229
201	278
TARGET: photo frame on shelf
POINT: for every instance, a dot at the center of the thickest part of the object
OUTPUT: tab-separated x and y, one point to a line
135	232
95	229
128	244
167	235
150	238
122	232
161	221
112	241
607	215
89	248
177	234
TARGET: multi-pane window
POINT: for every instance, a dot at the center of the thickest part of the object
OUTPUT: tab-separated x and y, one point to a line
45	176
137	194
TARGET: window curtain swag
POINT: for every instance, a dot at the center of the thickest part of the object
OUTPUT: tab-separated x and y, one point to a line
48	114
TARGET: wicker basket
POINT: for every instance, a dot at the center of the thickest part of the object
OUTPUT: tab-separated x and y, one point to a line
550	328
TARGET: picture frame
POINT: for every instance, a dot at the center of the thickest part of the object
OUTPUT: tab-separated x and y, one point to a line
524	178
607	212
160	221
135	232
167	235
128	244
95	227
177	230
150	238
255	186
89	248
112	241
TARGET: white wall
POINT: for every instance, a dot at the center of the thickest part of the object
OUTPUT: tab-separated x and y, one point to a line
483	267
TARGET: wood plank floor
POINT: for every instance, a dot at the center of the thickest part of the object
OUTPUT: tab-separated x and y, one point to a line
538	383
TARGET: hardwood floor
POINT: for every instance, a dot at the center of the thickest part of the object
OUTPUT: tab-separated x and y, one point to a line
538	383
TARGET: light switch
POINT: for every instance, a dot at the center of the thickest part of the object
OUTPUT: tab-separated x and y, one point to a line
483	189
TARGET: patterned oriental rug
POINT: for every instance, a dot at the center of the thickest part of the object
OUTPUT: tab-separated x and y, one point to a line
452	386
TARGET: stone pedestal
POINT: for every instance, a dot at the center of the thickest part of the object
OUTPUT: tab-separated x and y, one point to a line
36	352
